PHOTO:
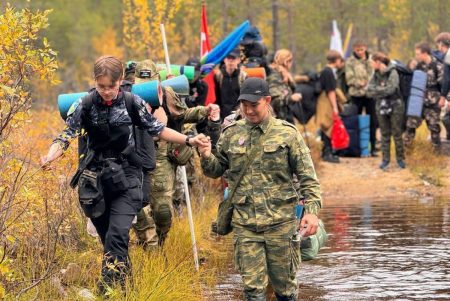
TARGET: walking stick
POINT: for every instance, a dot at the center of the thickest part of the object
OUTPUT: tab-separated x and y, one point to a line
183	168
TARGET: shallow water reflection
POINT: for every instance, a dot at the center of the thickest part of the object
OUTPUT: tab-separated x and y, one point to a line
377	250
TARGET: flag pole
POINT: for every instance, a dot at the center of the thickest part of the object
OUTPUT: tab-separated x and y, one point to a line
182	168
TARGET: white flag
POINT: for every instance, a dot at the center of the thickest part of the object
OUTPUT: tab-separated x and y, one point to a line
336	40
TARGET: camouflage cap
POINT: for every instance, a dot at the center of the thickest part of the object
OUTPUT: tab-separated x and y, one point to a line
146	70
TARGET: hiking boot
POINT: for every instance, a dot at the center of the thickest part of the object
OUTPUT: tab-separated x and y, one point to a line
401	164
373	154
330	158
384	165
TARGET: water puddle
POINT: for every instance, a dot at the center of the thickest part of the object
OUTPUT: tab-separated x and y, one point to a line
377	250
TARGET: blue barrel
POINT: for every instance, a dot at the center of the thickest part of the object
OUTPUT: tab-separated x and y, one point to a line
364	134
65	101
417	94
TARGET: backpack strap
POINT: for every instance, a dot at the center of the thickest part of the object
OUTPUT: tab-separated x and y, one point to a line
134	115
131	108
88	102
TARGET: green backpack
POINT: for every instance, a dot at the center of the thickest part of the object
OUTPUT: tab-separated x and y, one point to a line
310	246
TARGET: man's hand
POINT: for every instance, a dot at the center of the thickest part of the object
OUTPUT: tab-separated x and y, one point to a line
441	102
296	97
309	224
200	141
205	150
213	112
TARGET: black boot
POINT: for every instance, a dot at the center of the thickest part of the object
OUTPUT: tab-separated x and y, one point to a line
327	154
114	272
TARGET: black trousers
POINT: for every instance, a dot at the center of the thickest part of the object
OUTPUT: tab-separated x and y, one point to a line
113	226
369	105
326	148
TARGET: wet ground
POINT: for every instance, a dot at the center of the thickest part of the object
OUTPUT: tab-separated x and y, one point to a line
377	250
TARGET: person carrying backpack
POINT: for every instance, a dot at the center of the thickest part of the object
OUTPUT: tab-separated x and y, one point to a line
170	155
110	176
431	109
282	85
390	109
443	44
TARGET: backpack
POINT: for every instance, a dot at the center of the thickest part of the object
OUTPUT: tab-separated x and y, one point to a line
144	144
405	78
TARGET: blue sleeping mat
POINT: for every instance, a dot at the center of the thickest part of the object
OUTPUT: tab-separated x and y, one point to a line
416	97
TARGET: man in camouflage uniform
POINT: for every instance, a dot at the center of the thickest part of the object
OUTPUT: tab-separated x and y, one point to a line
431	109
265	228
358	71
163	177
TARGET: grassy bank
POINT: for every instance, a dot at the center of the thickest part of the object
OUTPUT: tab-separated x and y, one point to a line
46	233
424	161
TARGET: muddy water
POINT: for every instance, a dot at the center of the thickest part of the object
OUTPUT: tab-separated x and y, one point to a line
377	250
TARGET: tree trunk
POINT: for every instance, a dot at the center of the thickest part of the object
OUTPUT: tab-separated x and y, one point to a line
249	11
225	18
442	14
275	28
292	40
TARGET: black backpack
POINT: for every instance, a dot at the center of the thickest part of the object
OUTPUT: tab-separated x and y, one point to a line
144	143
405	78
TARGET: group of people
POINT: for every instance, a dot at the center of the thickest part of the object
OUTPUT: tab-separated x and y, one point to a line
372	82
131	151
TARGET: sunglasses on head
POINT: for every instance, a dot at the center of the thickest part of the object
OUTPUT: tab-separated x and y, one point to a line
145	73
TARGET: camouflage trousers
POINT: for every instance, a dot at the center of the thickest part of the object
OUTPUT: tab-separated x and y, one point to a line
179	196
391	126
431	114
145	228
161	191
266	257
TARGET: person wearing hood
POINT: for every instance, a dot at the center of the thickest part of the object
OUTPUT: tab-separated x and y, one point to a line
390	109
358	70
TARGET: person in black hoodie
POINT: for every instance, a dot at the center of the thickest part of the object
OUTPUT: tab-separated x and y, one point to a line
198	88
228	80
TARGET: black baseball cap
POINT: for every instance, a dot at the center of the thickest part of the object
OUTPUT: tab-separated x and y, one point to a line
235	53
253	89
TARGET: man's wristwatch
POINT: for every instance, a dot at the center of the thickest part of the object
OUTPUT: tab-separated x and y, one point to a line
187	140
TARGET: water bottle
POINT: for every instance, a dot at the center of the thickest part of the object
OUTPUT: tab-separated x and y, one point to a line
299	208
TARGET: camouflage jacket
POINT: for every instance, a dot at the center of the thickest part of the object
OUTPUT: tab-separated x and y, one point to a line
281	93
266	196
357	72
178	114
435	75
384	84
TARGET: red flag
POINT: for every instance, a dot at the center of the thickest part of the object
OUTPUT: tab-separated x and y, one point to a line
205	47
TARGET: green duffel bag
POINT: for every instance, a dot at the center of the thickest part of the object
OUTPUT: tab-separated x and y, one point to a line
310	246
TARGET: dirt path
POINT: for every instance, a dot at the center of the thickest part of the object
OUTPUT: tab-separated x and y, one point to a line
359	178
